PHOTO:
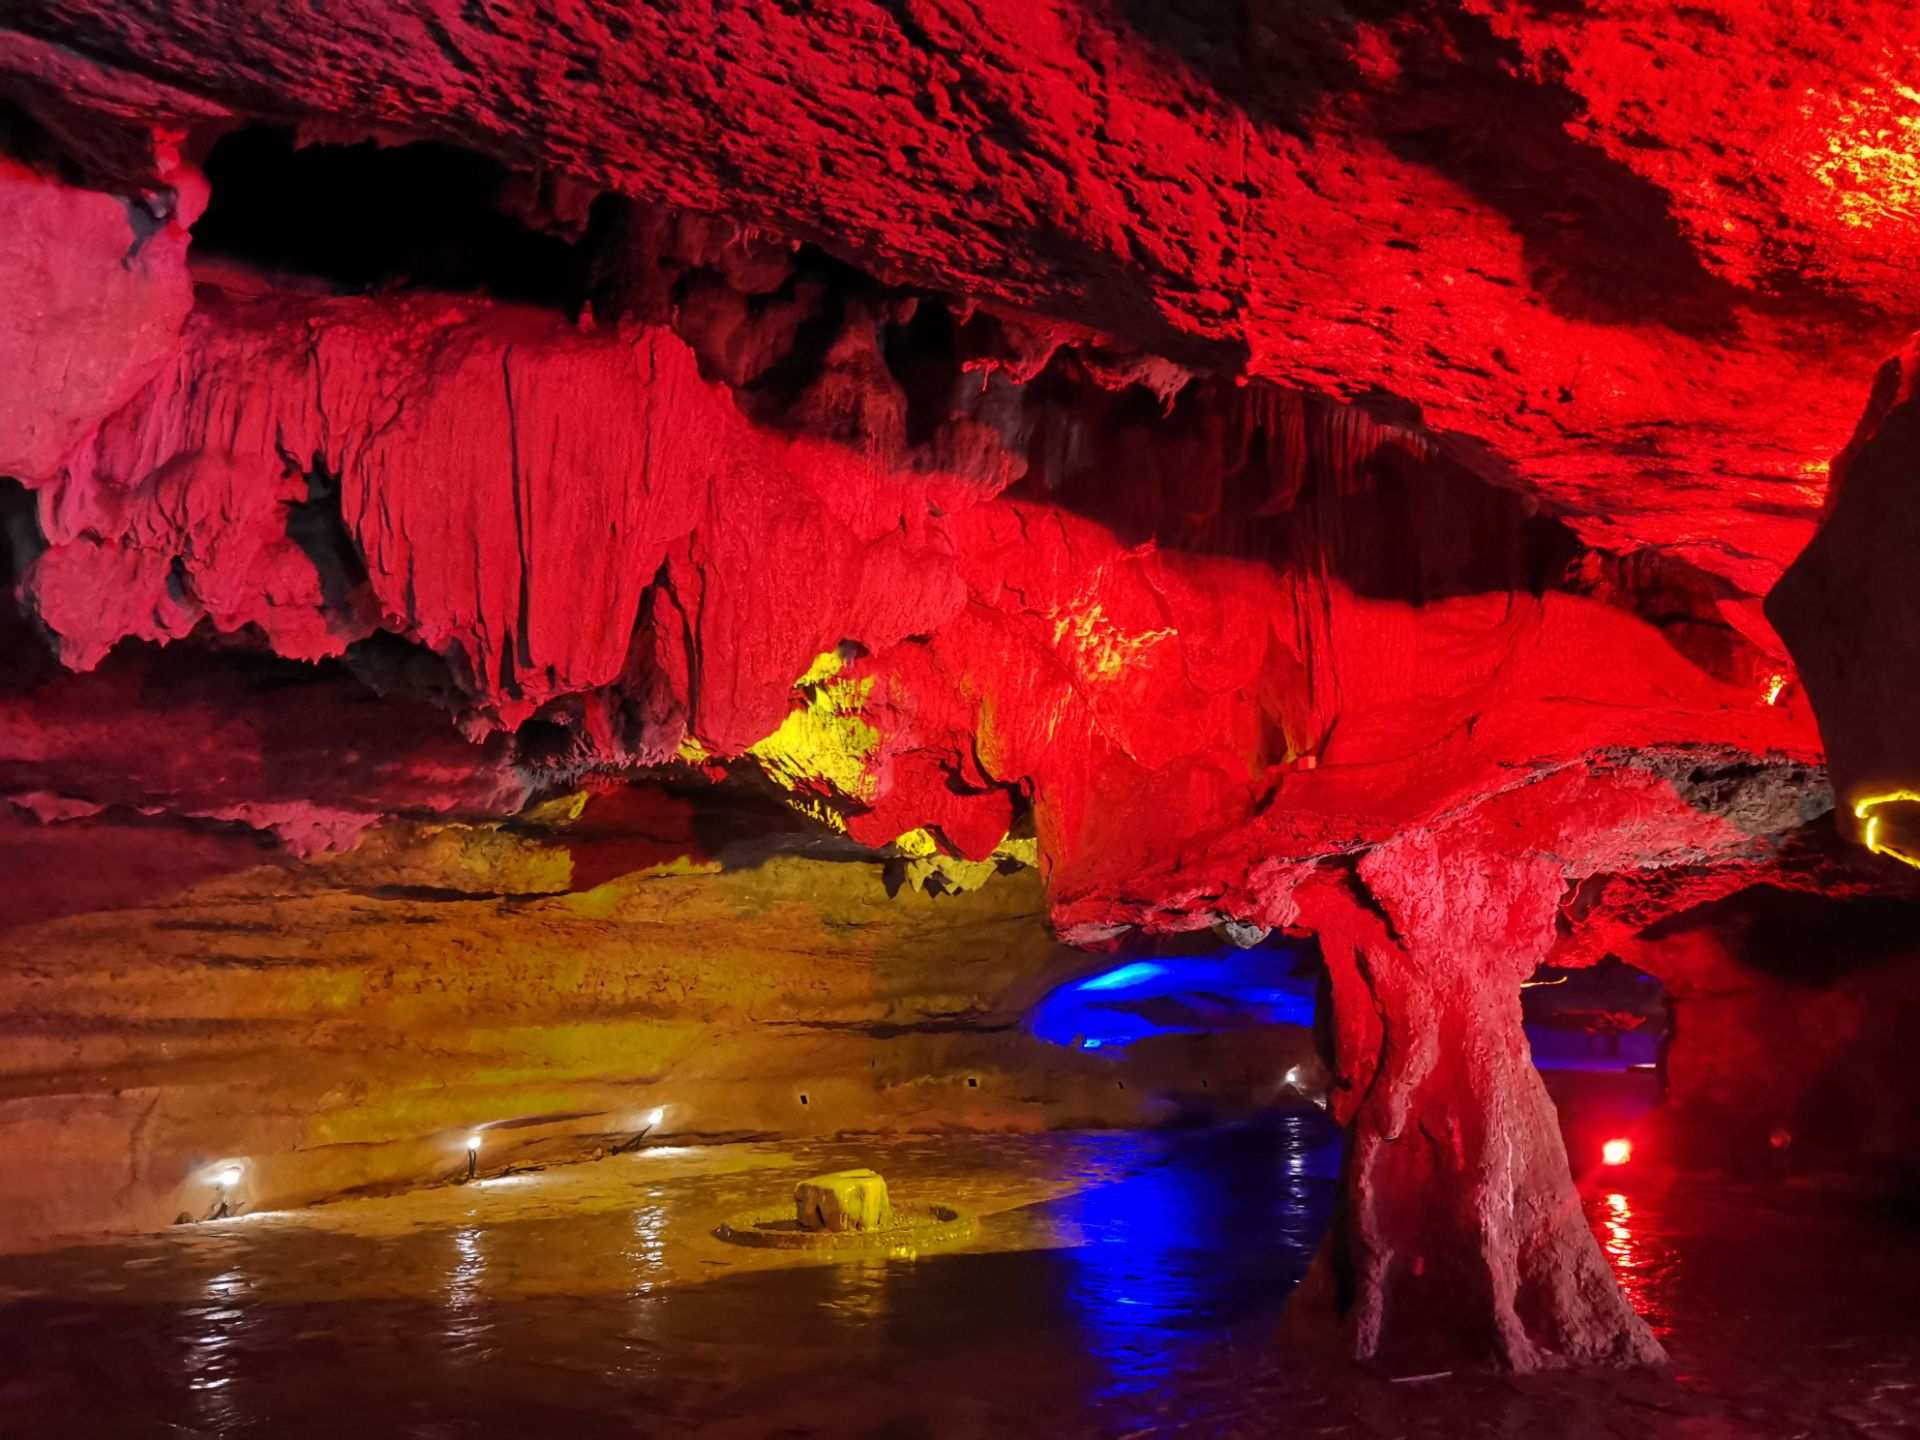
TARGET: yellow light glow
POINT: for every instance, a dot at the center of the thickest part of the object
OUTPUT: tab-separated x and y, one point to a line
1815	477
1863	809
825	744
1098	649
921	850
1104	649
1775	684
1867	157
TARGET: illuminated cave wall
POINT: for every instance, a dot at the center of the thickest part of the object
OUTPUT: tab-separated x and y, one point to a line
347	1023
1135	471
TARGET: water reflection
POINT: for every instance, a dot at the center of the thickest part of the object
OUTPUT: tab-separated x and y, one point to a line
1220	1229
597	1304
860	1292
647	1254
214	1332
467	1325
1637	1249
484	1305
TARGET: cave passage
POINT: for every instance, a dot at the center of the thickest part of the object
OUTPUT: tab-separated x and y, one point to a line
945	721
1597	1035
1187	995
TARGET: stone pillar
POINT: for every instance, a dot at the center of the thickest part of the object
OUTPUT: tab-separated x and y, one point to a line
1461	1239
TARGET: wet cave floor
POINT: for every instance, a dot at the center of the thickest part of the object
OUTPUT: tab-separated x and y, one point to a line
1117	1285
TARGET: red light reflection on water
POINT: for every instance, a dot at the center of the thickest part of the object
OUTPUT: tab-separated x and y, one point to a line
1628	1253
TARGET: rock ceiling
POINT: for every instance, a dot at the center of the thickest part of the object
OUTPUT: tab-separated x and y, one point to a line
1266	464
1243	434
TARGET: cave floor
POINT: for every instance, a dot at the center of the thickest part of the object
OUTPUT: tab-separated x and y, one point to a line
1117	1285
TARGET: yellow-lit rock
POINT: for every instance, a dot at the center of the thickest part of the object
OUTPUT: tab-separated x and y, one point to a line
844	1200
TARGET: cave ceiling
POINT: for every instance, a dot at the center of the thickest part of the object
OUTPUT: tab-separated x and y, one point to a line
1187	446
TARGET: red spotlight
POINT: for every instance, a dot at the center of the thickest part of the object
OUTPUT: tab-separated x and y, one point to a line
1616	1152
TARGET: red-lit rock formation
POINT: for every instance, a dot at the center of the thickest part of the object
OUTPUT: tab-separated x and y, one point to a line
1319	469
1462	1233
92	296
1597	249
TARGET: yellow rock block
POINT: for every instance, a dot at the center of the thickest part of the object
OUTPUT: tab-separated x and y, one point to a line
844	1200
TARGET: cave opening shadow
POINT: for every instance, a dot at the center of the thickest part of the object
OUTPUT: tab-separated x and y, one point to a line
1599	1037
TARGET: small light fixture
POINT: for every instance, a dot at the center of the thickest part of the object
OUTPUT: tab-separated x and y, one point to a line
224	1178
1616	1152
1292	1077
649	1122
473	1154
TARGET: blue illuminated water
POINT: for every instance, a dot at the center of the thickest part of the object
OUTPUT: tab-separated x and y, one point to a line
1104	1311
1213	1236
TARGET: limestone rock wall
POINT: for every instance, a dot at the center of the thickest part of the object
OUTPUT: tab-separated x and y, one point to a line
340	1025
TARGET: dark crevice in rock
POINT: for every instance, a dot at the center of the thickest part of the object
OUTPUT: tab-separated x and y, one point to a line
370	217
392	665
922	355
317	527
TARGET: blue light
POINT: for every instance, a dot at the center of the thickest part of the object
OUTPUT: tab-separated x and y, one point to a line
1125	978
1197	1236
1186	996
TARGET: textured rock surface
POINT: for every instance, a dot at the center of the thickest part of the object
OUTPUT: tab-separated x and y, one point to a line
1259	714
440	981
1460	1214
1273	467
1601	247
844	1200
93	291
1793	1015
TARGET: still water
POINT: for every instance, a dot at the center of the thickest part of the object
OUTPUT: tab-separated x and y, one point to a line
1118	1285
594	1300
